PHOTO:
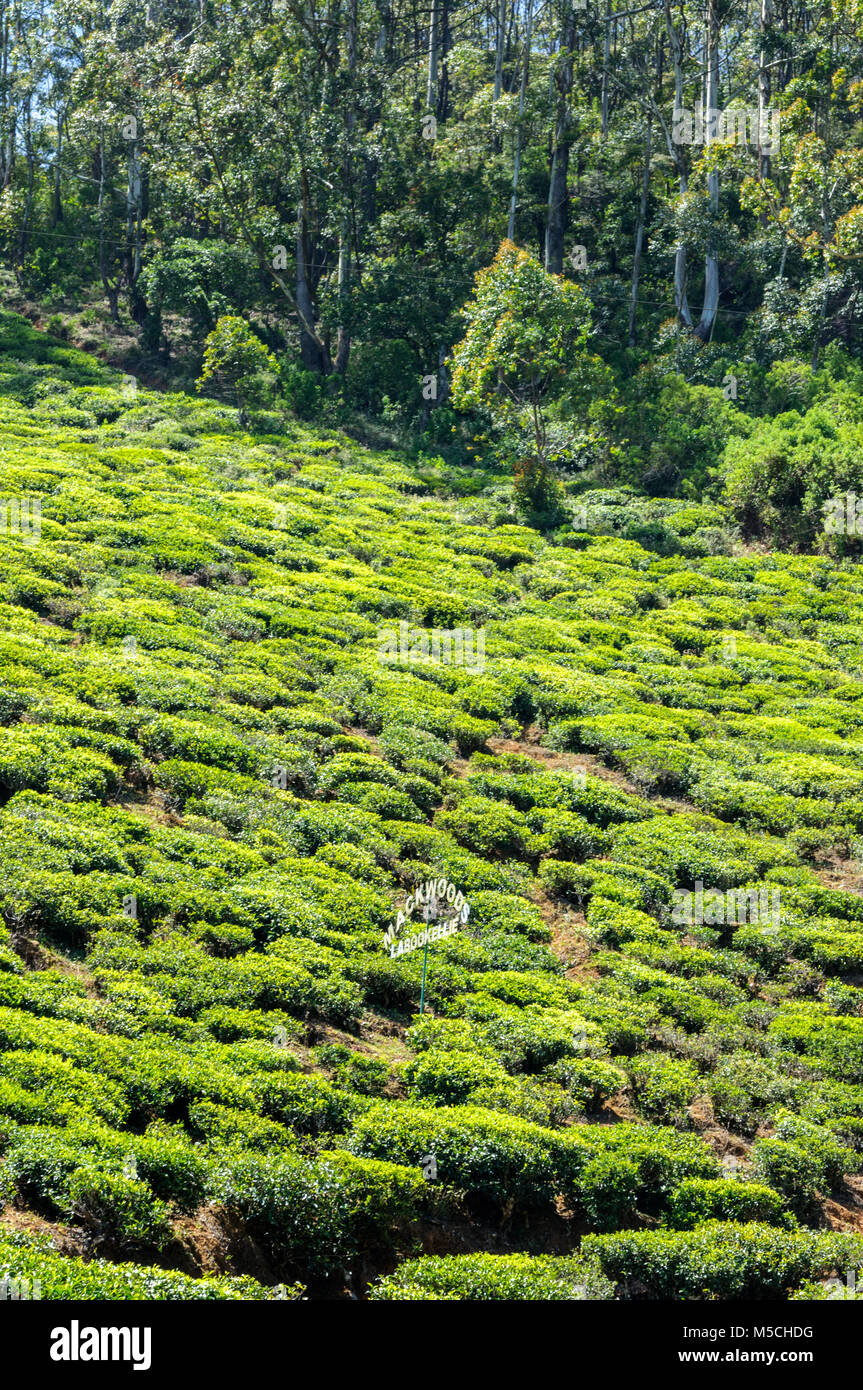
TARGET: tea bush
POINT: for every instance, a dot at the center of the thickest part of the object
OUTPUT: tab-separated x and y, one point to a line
720	1259
216	796
482	1277
722	1199
62	1277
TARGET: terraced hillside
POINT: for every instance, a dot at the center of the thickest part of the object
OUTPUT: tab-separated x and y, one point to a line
221	782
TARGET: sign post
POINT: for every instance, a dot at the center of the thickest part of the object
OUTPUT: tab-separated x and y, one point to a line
429	915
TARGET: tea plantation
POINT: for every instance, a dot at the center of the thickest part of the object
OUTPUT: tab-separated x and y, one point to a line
215	1081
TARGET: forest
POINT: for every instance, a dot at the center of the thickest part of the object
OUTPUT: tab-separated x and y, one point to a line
335	177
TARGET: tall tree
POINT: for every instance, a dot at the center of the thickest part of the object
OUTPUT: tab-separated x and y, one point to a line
562	74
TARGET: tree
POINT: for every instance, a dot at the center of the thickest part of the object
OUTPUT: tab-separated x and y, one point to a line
235	358
562	138
525	332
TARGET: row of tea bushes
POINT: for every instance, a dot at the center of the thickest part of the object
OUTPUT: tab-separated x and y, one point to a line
31	1268
719	1260
224	764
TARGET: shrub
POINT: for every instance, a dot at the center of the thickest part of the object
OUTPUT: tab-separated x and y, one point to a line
307	1104
470	734
477	1151
225	1127
588	1080
483	1277
64	1278
505	912
719	1259
485	827
116	1208
724	1199
663	1086
564	834
447	1078
789	1169
367	1076
174	1170
611	924
743	1089
295	1207
608	1189
779	479
377	1195
561	879
664	1157
236	359
40	1162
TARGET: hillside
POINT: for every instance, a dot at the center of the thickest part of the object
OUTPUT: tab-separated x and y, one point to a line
222	774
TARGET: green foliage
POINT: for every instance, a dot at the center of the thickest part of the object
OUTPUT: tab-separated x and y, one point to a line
206	832
485	827
482	1277
525	330
63	1278
722	1199
313	1213
720	1259
296	1206
589	1080
523	327
234	356
781	479
479	1151
663	1086
115	1207
608	1189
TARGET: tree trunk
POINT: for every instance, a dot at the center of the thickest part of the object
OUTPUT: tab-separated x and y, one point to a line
498	51
681	304
30	156
606	53
763	95
111	290
499	45
510	228
557	188
639	232
7	107
56	191
431	88
442	378
704	329
134	194
443	89
311	352
343	342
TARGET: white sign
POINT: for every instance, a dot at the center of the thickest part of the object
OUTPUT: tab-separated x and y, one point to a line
442	906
